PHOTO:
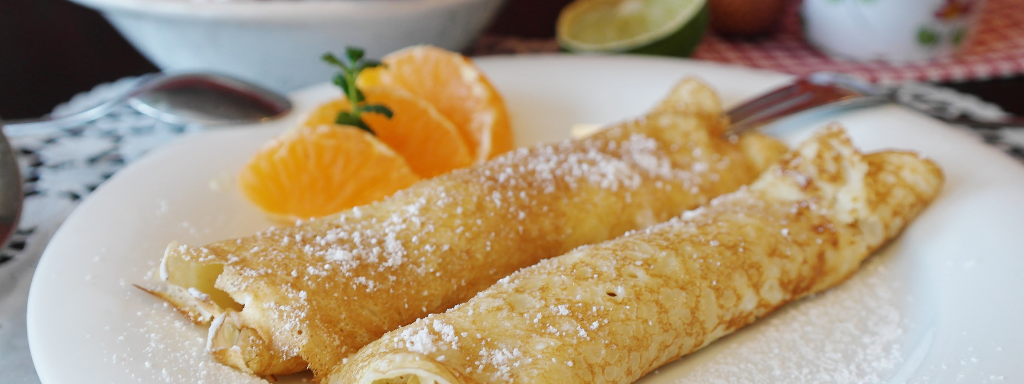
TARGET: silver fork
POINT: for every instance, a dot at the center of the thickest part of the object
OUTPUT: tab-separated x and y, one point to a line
835	91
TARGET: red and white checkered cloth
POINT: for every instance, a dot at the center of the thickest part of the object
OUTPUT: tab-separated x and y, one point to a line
996	49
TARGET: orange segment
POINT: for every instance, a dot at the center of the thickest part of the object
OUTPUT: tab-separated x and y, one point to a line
314	171
452	84
326	113
430	144
428	141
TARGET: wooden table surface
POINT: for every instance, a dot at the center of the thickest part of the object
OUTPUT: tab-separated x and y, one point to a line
53	49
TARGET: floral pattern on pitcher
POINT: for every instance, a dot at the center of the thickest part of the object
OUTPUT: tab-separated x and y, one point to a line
950	24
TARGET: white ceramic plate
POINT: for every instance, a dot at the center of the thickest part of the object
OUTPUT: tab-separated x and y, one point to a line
942	304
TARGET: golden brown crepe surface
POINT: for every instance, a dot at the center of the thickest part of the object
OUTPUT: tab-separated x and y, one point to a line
612	312
319	291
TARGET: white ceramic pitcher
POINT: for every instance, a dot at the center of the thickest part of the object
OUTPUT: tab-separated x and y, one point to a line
896	31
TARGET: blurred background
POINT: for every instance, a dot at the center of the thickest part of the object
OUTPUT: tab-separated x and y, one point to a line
53	49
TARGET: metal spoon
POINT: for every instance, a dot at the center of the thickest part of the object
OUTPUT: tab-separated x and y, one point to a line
203	98
206	99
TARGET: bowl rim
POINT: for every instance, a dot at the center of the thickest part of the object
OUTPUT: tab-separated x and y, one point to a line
272	10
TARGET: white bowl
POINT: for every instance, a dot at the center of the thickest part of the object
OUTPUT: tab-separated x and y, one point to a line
279	43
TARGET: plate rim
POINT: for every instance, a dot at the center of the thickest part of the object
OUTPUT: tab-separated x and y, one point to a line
47	259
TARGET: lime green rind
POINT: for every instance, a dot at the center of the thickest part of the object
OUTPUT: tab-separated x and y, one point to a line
680	43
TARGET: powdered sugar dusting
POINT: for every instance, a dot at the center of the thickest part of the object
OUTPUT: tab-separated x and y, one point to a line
157	345
850	334
418	340
447	333
418	337
610	165
379	247
503	360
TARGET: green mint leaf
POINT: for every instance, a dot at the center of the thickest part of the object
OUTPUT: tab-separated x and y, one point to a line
333	60
341	82
345	118
364	127
346	80
377	108
354	54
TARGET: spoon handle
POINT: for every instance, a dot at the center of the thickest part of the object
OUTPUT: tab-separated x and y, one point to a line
33	127
45	125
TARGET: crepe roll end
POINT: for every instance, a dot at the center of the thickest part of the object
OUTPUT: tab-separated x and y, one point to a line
195	305
236	345
903	184
191	268
691	95
401	368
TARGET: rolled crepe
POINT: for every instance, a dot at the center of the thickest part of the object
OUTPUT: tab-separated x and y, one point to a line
612	312
310	295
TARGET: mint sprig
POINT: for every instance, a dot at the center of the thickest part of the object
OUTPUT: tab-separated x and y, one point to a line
346	80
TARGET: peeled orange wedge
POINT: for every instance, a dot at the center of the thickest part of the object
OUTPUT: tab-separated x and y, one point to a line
452	84
444	115
428	141
315	171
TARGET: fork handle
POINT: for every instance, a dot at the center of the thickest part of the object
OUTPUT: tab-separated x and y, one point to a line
831	91
797	105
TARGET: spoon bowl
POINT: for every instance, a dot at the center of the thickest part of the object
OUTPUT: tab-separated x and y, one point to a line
209	100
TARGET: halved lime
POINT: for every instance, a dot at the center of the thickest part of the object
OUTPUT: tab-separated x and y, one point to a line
660	27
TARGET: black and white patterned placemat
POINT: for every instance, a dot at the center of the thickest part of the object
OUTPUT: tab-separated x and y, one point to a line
63	167
60	168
